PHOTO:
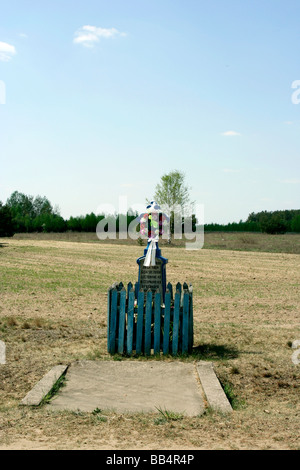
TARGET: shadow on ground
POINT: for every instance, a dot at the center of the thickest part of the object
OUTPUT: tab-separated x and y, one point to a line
212	351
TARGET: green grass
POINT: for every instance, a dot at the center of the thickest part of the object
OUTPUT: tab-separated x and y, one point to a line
236	402
167	415
54	390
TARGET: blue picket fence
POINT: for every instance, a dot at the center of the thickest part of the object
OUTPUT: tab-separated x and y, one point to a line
138	322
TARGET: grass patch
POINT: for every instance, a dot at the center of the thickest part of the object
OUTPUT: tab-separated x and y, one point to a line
54	390
167	415
98	417
11	322
234	401
95	354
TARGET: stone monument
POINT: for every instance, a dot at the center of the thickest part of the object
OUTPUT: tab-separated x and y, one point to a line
152	266
149	317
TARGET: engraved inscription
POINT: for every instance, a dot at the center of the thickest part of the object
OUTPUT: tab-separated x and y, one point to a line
151	277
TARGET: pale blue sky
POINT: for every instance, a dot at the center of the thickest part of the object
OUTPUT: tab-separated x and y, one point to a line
103	97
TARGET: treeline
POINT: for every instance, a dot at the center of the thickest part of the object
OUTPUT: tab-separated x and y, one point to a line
277	221
266	222
26	214
233	227
89	222
29	214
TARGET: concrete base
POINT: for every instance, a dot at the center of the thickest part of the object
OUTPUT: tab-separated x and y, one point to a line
131	386
134	386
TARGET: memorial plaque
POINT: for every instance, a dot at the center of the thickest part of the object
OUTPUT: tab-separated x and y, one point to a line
152	277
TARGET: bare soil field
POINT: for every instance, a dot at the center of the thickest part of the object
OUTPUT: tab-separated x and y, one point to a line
246	316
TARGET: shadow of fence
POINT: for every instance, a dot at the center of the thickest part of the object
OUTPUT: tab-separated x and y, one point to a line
210	351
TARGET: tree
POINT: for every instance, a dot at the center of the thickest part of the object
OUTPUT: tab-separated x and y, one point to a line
20	205
41	206
275	222
34	214
273	225
172	193
172	190
89	223
296	224
6	221
75	224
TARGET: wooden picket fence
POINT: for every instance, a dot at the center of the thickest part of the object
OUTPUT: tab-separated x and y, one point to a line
139	323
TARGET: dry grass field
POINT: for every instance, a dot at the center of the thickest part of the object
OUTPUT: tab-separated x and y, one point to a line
246	315
244	241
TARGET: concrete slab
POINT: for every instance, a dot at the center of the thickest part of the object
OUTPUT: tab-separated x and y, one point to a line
131	386
212	388
44	386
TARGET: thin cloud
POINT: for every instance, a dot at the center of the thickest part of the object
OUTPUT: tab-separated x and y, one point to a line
7	51
231	170
230	133
89	35
291	181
